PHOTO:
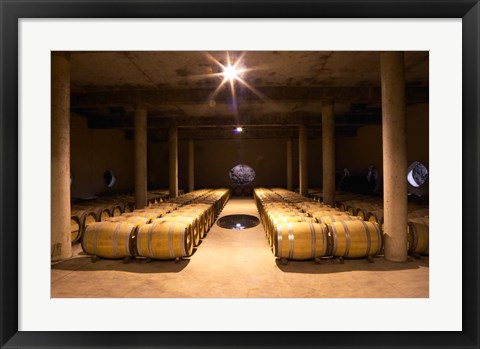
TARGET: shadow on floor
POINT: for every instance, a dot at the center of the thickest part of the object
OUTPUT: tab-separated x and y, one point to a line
138	265
327	266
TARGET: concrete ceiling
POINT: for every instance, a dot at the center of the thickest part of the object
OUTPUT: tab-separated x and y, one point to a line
280	89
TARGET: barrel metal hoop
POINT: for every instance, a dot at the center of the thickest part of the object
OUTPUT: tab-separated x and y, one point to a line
324	239
183	239
335	237
347	238
132	240
83	241
291	242
149	240
170	240
94	237
115	240
379	237
279	240
367	233
314	240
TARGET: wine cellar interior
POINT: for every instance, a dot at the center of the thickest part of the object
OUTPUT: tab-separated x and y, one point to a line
257	174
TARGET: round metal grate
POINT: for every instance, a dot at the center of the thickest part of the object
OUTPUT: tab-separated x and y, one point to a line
238	222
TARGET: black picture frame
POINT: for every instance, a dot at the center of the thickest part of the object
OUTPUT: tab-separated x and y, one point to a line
11	11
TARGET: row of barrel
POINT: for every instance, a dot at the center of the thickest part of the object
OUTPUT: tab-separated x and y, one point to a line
98	209
166	230
298	228
371	209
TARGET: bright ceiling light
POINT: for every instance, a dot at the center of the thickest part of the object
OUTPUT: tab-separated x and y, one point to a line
230	72
238	130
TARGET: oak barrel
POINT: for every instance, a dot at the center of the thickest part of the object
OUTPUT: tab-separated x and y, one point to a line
78	221
270	227
354	239
192	220
375	216
109	239
164	240
417	236
300	241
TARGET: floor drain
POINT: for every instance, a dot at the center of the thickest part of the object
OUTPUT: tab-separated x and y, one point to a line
238	221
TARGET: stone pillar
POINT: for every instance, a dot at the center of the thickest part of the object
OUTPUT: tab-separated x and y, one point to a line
173	168
140	145
328	153
191	165
289	164
61	244
394	155
302	163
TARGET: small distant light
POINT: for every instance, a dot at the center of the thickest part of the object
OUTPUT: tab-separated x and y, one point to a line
238	130
238	225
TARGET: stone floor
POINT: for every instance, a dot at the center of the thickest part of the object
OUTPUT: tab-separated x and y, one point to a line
238	264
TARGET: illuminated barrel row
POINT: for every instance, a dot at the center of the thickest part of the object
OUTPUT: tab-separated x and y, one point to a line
158	240
200	212
295	233
276	212
370	209
174	213
279	206
189	197
214	200
85	212
81	218
417	229
162	231
348	239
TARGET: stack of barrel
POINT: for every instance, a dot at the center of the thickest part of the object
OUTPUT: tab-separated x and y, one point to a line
86	212
99	209
371	209
298	228
165	230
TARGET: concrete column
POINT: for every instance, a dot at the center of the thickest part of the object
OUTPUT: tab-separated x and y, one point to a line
394	155
302	156
61	244
290	164
191	165
173	168
328	152
140	145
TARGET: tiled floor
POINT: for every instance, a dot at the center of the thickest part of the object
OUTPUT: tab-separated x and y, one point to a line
238	264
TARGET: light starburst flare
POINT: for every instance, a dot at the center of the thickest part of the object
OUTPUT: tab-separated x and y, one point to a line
232	72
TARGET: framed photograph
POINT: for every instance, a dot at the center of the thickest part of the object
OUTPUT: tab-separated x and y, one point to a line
36	314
